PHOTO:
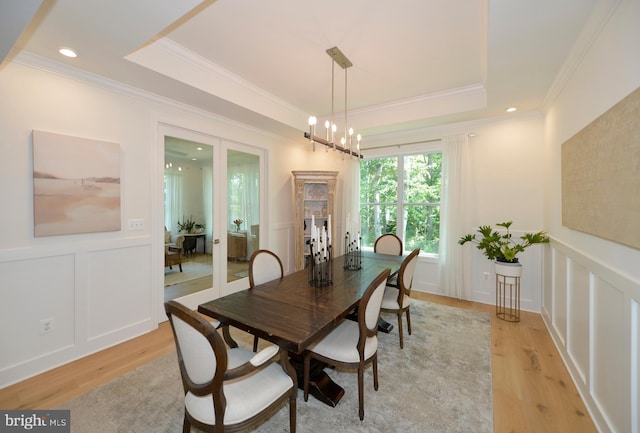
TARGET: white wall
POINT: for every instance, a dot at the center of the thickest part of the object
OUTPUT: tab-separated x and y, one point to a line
506	159
101	288
592	286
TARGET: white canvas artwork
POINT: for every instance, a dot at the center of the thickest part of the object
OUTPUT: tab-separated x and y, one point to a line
76	185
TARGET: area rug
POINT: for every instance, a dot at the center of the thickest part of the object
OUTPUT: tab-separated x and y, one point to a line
440	383
190	271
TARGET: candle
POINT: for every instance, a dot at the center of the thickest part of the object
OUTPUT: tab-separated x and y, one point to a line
324	242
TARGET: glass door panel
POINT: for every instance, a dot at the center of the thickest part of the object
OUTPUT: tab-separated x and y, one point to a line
243	212
188	217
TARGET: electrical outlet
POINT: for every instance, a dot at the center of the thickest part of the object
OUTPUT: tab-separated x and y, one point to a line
136	224
47	325
486	275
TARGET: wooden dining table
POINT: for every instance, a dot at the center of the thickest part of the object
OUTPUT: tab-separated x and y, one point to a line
292	313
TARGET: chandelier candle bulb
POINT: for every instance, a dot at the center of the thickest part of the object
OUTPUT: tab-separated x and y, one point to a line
337	57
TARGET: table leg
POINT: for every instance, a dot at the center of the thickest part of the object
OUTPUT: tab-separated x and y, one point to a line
321	386
226	335
384	326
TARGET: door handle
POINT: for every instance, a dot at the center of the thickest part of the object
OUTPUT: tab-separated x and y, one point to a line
216	241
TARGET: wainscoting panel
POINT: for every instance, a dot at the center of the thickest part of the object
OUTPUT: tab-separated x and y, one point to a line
635	366
559	295
425	278
118	299
578	322
591	312
94	293
611	355
483	277
29	297
281	241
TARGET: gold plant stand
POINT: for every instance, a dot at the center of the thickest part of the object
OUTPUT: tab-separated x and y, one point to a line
508	297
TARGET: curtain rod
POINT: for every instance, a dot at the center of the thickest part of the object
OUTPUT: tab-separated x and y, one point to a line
403	144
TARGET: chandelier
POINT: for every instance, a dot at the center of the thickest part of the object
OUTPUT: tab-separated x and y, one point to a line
346	144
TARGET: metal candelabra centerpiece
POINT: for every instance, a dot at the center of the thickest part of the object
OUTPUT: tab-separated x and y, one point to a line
320	267
352	252
319	261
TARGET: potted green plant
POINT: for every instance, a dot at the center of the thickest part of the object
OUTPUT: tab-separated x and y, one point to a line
189	225
501	247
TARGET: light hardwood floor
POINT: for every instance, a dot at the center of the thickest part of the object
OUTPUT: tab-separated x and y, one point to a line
532	390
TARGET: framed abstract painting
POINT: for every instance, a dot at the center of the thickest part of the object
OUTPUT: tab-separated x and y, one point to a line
76	185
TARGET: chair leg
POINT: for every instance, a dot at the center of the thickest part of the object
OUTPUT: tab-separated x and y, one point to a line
374	367
409	321
255	343
292	414
186	425
361	392
400	330
307	366
180	266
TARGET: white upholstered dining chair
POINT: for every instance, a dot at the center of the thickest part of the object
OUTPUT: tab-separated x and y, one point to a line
388	244
353	344
397	298
228	390
264	266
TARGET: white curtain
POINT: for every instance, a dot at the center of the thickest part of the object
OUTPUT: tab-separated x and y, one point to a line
454	277
350	202
244	184
173	199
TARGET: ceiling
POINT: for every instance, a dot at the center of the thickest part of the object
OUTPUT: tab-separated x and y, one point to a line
416	63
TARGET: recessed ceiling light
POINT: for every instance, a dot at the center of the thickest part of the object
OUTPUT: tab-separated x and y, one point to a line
472	134
199	148
510	109
68	52
194	159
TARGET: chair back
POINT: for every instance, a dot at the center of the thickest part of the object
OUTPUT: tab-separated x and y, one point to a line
405	275
388	244
264	266
369	308
202	354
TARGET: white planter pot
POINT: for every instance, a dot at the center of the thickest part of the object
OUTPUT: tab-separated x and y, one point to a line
508	269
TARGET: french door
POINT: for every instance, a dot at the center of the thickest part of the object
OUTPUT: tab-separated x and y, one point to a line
227	195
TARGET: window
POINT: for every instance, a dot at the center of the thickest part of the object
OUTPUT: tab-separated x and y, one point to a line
401	195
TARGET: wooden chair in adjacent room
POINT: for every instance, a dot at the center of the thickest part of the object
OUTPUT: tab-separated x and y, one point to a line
228	390
264	266
397	299
353	345
172	257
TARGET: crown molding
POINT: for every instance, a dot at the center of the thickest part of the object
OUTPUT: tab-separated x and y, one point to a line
47	65
173	60
461	99
585	41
